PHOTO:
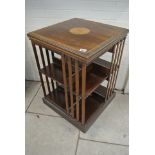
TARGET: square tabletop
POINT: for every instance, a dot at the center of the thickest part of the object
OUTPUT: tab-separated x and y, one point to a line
82	39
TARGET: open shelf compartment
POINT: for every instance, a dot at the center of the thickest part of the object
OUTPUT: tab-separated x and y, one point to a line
93	102
54	70
105	64
96	74
57	97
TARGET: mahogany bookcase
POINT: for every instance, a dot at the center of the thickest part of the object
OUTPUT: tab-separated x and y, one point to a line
71	71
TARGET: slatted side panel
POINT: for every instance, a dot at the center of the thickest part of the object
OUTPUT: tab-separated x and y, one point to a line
38	66
72	83
45	60
119	61
115	64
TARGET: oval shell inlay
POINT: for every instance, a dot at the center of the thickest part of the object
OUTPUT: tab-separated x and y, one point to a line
79	30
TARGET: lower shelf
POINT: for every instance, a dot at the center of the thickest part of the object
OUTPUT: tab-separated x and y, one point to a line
95	104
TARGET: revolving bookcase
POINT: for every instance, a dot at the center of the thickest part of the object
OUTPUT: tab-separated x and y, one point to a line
71	71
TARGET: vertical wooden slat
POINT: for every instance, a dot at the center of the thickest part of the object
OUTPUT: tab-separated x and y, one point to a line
65	81
38	66
49	64
77	89
52	54
121	53
44	65
48	57
70	85
83	93
111	68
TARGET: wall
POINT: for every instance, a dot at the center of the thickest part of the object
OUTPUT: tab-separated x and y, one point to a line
41	13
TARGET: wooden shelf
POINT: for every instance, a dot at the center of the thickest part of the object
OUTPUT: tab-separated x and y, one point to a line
57	97
103	63
96	75
101	90
54	71
93	102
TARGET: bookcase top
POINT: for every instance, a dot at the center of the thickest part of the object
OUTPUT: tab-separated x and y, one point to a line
81	39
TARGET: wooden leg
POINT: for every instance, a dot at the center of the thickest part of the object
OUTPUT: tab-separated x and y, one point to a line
83	92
